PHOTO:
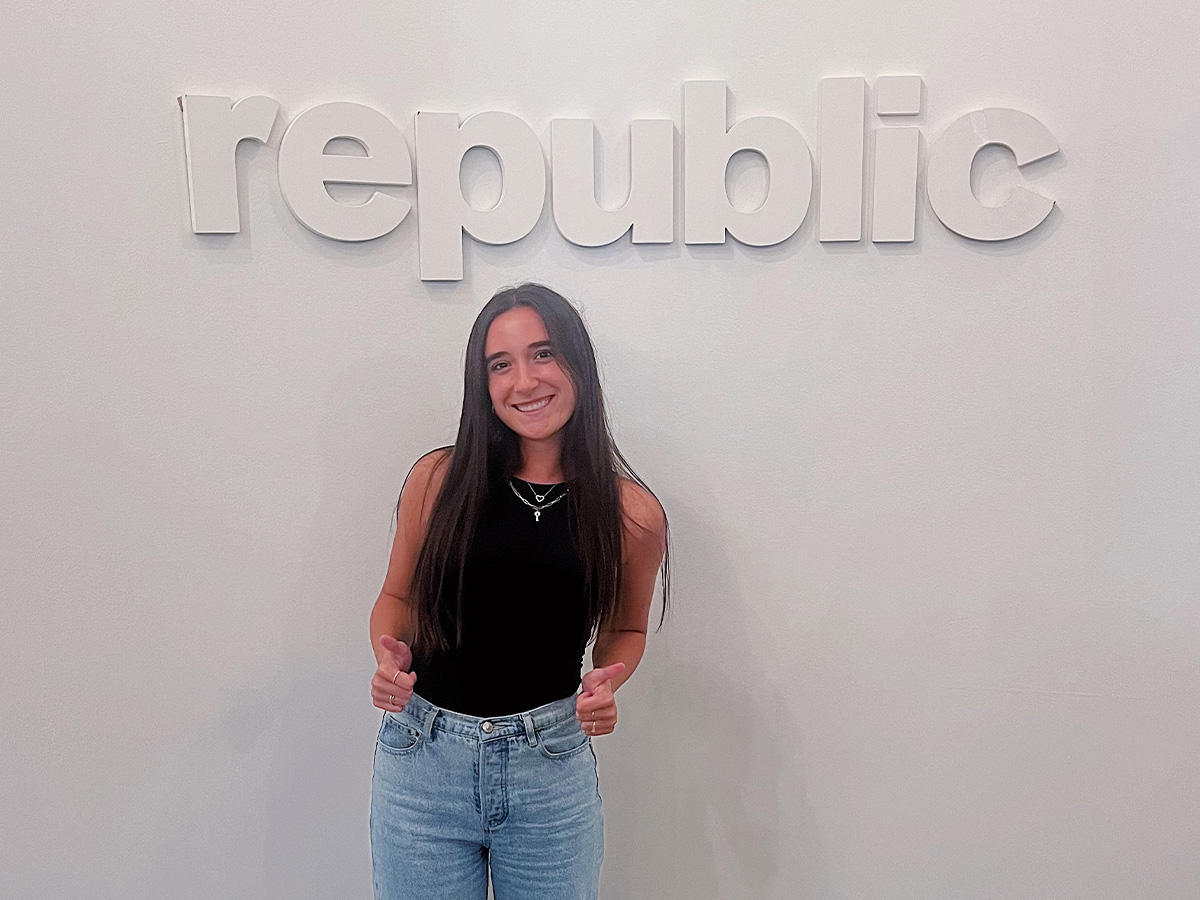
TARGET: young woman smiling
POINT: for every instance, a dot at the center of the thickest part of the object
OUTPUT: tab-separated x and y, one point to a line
528	538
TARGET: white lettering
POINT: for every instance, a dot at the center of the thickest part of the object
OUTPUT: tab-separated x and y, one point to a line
650	207
212	129
894	200
443	214
707	146
842	121
948	174
214	126
305	168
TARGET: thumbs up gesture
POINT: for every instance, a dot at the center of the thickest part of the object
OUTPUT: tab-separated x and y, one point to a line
392	685
596	707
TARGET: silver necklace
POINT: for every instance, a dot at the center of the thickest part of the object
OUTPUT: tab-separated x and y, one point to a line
540	498
539	506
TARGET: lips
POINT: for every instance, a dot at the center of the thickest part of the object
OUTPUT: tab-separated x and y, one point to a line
533	405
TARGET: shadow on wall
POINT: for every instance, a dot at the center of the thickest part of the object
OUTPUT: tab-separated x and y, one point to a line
704	761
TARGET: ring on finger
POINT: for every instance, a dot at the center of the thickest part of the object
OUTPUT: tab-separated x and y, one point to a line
394	677
392	699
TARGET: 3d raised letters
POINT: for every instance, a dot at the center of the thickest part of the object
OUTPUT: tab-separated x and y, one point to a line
213	126
897	154
948	174
842	121
305	168
443	214
650	207
212	129
707	146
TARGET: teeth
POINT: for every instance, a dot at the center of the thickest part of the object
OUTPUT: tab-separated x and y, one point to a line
532	407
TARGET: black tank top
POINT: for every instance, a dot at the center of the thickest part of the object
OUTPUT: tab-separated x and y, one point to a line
524	625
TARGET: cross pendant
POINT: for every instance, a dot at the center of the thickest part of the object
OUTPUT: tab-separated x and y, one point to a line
537	515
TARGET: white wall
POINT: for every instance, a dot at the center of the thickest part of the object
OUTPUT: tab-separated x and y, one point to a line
935	507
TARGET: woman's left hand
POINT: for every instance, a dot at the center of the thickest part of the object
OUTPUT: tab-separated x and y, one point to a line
596	707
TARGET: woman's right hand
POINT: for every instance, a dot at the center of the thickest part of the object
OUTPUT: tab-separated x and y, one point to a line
392	686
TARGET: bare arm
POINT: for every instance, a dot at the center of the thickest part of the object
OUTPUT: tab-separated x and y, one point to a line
643	545
621	642
393	613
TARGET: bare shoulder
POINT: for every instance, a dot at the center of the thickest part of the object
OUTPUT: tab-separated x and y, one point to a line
421	489
645	520
431	467
423	484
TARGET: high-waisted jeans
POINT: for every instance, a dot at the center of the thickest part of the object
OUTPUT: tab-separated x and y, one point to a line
451	794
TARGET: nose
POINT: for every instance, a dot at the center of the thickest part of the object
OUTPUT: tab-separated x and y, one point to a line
526	379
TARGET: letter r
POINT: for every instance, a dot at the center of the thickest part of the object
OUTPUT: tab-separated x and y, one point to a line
212	129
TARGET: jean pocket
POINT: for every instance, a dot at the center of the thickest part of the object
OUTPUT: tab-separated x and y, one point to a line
397	736
563	739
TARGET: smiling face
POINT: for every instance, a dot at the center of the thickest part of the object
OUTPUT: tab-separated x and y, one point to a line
531	393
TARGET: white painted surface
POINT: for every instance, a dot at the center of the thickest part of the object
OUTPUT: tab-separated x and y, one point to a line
843	105
935	505
711	138
212	129
897	95
648	213
952	157
307	168
444	213
894	201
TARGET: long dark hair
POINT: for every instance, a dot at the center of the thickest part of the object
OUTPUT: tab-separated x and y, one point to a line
486	448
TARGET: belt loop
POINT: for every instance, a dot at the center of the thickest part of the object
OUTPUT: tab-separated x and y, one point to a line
530	733
430	715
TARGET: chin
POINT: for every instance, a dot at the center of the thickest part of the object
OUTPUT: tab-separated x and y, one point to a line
538	434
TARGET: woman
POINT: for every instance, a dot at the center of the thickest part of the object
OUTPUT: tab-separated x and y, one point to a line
514	548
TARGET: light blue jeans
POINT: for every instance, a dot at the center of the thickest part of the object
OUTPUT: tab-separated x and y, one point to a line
452	794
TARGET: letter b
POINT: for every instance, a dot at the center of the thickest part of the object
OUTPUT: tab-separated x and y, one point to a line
707	147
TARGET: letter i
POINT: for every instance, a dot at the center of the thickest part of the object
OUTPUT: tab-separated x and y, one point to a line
894	200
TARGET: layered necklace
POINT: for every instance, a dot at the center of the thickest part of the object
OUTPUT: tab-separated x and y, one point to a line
539	500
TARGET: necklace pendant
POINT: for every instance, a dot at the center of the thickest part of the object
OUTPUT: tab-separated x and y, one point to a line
537	510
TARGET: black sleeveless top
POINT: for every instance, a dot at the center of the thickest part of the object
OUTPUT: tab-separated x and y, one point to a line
524	625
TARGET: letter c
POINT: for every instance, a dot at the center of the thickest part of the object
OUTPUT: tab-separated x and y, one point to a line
948	176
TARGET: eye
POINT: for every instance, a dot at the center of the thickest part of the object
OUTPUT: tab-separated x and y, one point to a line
544	353
498	365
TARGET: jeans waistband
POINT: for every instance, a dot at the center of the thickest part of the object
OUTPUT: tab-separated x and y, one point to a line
429	718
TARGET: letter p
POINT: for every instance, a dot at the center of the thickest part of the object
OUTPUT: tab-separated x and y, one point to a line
443	214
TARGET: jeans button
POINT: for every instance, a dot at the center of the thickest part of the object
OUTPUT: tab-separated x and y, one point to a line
487	727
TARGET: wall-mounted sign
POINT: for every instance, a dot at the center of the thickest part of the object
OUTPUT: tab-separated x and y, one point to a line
214	126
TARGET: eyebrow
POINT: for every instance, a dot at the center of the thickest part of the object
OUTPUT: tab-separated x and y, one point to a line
536	345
